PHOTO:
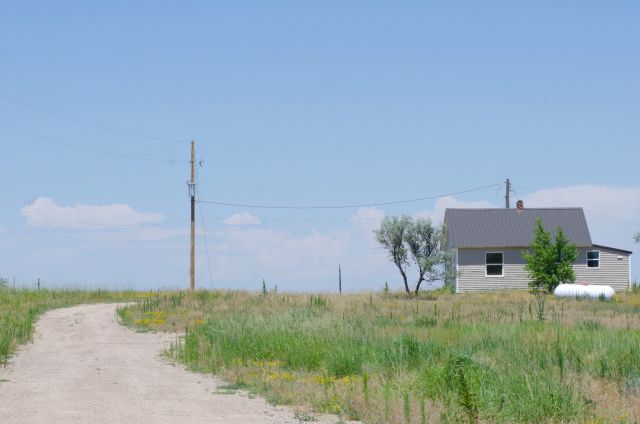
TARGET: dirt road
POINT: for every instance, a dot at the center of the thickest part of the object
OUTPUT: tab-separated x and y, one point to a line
83	367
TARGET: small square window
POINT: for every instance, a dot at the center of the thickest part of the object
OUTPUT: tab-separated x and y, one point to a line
593	259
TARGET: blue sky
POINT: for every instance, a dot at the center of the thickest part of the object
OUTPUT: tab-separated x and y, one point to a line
302	103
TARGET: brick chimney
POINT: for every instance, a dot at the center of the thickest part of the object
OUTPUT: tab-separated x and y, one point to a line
520	204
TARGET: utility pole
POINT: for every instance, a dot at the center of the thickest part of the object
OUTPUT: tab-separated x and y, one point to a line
38	283
192	194
508	190
339	278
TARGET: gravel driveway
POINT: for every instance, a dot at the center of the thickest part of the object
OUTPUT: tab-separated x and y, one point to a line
83	367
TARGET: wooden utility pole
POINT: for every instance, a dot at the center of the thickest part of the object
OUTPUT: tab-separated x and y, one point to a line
339	278
506	196
192	193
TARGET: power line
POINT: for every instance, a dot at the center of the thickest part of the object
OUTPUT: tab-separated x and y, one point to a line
204	230
88	149
90	124
181	221
98	224
589	211
363	205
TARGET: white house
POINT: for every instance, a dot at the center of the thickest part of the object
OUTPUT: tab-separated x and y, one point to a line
487	245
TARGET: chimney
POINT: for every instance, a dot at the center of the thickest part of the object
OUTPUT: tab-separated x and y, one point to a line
520	204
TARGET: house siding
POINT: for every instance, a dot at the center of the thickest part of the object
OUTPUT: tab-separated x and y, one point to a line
472	275
613	272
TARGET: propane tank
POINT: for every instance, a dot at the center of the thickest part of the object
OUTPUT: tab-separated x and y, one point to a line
585	290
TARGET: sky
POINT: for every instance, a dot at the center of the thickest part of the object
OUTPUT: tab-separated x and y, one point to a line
300	103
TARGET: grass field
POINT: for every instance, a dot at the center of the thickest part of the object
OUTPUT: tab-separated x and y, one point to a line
504	357
20	309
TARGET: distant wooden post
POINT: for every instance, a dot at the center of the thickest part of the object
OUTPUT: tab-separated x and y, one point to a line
339	278
38	283
192	193
507	192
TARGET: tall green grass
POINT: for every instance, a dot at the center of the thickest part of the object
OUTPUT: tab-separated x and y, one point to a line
372	356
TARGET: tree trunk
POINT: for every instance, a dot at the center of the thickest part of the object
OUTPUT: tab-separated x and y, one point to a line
406	282
420	280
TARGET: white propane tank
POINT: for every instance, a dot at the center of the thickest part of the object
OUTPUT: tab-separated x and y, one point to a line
591	291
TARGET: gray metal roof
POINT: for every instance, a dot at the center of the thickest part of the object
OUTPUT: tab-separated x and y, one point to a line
615	249
512	227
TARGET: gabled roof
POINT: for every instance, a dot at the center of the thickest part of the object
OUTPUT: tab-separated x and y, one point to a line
512	227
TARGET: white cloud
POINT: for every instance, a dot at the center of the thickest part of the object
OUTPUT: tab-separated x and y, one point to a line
367	219
437	214
621	202
295	261
613	212
44	212
302	260
243	218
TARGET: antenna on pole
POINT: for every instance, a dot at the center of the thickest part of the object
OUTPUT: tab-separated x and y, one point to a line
506	195
192	194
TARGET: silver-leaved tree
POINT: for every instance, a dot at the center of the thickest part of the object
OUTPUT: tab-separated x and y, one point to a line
414	241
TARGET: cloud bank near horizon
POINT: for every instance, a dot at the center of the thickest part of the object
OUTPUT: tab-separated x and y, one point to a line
245	249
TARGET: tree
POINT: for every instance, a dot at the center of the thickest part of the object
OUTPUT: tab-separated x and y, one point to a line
550	262
423	241
391	236
417	240
637	237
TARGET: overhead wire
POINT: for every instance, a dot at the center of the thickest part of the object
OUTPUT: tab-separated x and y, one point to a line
597	214
90	124
351	206
589	211
203	227
89	149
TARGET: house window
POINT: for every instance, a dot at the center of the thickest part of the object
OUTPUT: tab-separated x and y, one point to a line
593	259
494	263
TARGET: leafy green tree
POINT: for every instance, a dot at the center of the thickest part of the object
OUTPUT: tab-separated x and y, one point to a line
416	241
550	261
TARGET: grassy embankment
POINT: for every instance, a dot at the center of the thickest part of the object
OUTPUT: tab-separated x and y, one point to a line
20	309
506	357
